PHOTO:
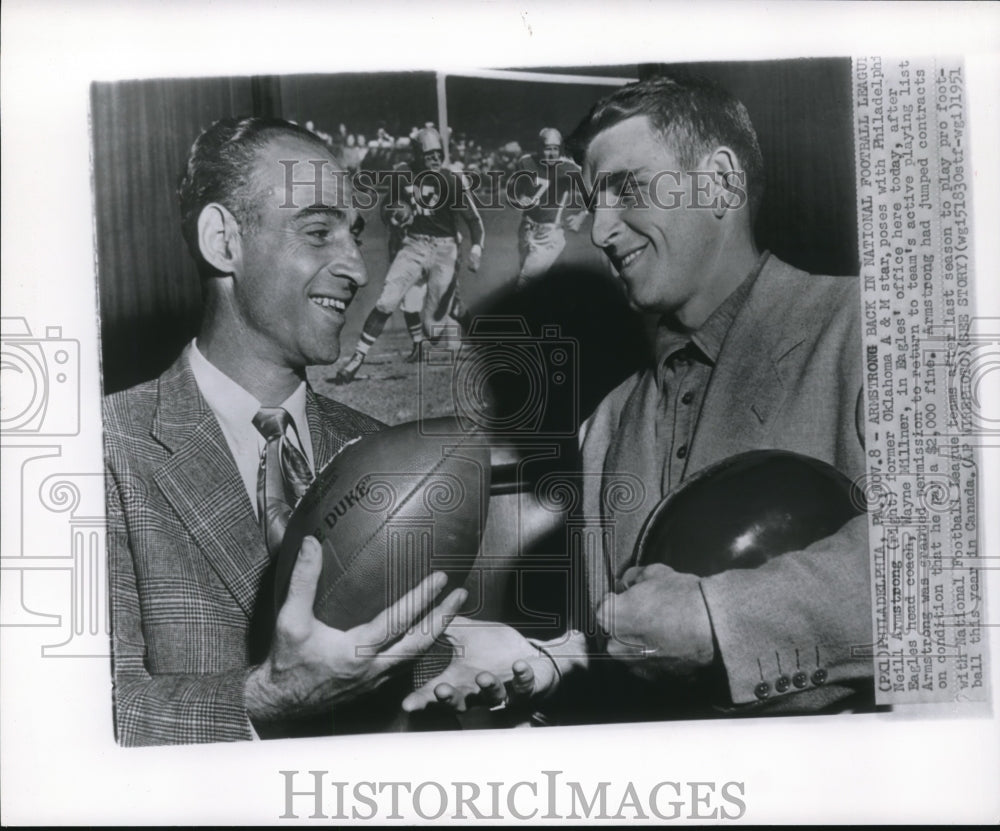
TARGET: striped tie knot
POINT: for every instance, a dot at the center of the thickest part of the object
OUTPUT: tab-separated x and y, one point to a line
284	474
272	422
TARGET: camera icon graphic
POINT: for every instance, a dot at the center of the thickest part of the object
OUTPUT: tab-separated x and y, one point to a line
40	381
505	381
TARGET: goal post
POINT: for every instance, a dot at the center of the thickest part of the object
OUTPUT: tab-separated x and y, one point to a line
521	76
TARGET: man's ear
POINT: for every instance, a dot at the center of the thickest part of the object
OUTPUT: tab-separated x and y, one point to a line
219	237
730	188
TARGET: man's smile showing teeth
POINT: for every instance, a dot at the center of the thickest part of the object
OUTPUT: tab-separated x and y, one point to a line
330	303
631	257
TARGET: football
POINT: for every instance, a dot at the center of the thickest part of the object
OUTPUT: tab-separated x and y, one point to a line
400	214
389	509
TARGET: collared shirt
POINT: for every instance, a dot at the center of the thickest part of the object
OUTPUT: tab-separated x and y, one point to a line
235	408
684	363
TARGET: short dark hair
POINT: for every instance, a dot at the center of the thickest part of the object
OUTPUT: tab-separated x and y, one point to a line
220	169
693	115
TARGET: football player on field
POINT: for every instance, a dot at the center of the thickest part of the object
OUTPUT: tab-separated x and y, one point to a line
428	254
544	190
397	214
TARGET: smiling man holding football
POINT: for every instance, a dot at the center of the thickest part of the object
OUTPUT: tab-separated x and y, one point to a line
204	461
751	354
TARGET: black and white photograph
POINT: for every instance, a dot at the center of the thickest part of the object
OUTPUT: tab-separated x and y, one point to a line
503	438
601	492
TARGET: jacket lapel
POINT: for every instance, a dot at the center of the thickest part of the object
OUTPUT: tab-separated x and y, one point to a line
324	443
746	391
201	482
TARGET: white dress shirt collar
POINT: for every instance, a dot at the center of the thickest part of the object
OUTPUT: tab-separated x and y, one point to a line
235	408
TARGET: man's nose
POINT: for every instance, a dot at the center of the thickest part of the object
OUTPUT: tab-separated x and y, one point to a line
348	262
360	277
605	228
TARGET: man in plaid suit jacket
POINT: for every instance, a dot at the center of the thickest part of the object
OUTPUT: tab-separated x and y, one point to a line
195	659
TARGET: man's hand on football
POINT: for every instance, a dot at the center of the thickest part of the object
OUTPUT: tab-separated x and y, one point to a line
494	666
312	666
659	625
400	215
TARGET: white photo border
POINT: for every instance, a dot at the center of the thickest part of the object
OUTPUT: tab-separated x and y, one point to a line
59	760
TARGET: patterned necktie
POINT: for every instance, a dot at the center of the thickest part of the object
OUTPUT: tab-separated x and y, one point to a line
283	476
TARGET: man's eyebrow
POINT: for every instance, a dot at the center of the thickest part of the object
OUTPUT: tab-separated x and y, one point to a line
318	210
614	181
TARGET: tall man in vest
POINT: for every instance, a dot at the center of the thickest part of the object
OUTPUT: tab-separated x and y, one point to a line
751	354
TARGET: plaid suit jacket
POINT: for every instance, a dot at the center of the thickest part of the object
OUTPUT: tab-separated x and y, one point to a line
187	559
